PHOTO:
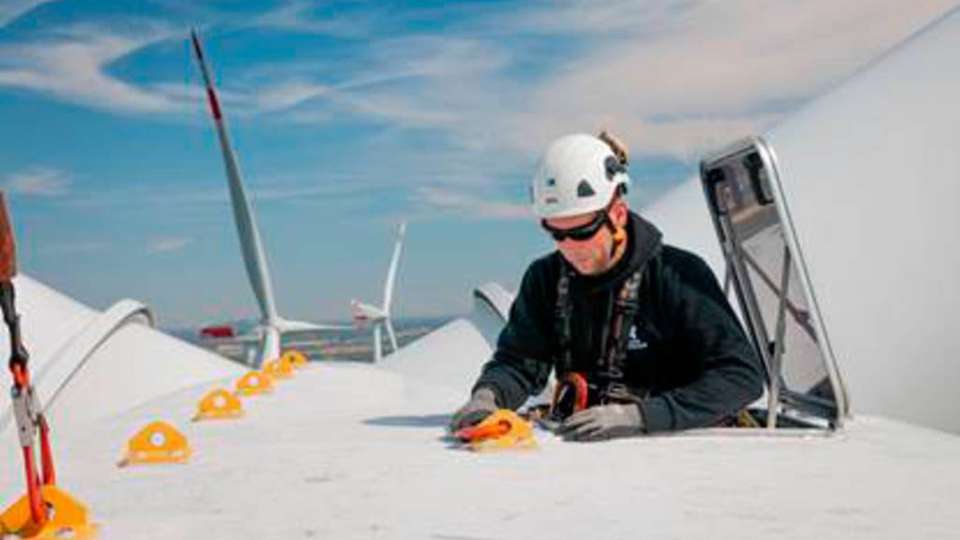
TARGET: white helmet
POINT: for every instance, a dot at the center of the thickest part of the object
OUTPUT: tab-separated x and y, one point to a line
578	174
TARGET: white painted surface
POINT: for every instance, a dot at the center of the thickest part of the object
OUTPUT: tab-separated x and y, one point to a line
353	451
452	355
80	385
359	451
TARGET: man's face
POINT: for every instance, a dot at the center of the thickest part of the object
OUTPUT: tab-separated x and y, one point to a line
591	256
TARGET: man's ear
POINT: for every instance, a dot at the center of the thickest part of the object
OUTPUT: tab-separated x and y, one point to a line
620	212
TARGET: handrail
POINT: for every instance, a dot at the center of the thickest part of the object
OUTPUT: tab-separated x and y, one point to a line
66	361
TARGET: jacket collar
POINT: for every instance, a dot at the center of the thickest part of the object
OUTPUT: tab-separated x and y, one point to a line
643	244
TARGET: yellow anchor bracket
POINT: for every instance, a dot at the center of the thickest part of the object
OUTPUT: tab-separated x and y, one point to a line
254	383
159	442
297	358
279	369
502	430
68	518
219	405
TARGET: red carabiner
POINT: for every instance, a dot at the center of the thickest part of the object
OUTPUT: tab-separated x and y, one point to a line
570	395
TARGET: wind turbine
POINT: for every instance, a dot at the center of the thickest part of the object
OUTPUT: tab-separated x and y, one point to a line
272	326
379	317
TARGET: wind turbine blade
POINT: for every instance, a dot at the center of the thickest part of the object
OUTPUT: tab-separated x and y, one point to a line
286	325
250	244
392	273
391	333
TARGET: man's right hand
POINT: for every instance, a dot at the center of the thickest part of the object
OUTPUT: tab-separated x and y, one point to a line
482	404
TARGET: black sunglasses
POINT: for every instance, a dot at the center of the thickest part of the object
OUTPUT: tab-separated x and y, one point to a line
581	233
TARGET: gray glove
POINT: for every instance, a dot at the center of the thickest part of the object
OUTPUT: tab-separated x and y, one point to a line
482	404
602	422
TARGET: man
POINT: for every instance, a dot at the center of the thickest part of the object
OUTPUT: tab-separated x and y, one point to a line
640	335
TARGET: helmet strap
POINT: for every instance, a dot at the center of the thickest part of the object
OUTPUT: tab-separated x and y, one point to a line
619	235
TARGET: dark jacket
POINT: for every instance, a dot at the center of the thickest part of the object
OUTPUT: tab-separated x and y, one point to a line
689	351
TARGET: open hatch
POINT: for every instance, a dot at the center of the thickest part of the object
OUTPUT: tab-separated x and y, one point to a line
766	270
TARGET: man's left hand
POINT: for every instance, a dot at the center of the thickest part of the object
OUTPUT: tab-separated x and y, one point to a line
602	422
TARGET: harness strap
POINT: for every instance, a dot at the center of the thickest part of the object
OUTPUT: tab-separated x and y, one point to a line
562	319
625	307
616	333
27	411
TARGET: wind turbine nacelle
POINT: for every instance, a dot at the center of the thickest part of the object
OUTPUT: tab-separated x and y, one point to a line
364	314
217	331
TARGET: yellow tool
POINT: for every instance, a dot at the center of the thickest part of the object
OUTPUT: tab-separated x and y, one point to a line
67	518
297	358
159	442
279	369
254	383
219	405
502	430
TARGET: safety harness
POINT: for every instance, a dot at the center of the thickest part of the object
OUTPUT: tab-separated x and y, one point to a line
608	384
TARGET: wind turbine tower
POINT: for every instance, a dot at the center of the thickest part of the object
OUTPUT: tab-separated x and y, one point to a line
379	317
271	326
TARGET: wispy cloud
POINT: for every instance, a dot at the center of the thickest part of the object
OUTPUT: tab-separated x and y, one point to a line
681	76
306	17
672	77
468	206
38	182
711	78
287	95
216	193
406	81
603	18
71	64
12	10
167	244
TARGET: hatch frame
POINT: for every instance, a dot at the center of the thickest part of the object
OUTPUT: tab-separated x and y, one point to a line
781	400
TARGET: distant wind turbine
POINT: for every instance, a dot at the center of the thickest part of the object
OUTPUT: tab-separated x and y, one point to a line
379	317
271	326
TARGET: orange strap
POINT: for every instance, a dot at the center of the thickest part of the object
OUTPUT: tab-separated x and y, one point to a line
38	510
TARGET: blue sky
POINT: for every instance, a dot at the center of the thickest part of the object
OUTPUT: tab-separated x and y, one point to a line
349	117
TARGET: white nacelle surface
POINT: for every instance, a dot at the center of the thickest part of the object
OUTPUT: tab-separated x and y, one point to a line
452	355
87	366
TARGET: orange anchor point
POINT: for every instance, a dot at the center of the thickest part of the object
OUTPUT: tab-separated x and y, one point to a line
159	442
502	430
219	405
68	518
279	369
254	383
297	358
